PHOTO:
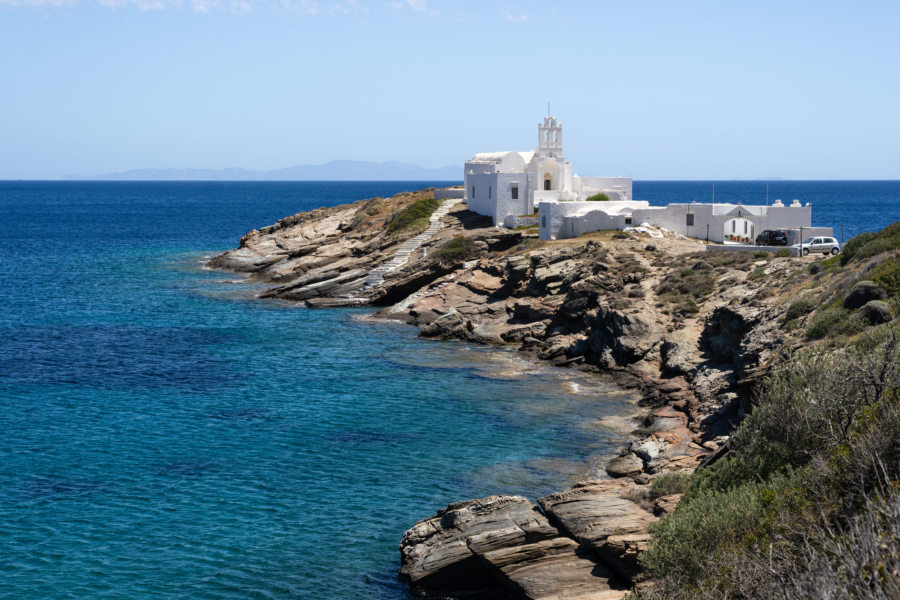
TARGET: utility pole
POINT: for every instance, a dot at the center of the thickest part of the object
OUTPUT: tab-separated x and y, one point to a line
842	234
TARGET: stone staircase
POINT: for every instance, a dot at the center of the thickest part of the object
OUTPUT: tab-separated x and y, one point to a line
376	275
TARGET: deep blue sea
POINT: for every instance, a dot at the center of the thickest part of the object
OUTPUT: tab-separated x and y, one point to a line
163	434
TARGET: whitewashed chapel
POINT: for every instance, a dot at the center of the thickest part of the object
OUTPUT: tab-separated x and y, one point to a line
506	185
503	184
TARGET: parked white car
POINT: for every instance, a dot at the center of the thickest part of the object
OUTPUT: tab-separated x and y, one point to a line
825	245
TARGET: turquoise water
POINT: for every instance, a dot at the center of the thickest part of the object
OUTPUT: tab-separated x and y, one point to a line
166	435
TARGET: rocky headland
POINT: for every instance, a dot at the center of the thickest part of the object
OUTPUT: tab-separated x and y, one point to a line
692	331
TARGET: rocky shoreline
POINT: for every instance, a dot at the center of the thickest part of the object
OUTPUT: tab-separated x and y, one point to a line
690	331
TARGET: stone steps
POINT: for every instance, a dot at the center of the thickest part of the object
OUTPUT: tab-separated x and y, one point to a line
401	257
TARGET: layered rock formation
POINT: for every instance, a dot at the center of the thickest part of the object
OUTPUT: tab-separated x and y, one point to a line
685	328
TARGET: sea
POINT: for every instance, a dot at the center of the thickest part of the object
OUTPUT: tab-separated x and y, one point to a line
165	434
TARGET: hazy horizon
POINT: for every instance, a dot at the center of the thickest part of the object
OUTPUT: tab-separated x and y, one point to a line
693	91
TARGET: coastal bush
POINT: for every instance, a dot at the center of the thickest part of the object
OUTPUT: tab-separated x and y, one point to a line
799	308
761	254
683	541
456	251
862	292
869	244
597	198
806	505
783	253
372	207
825	322
413	216
814	268
670	483
887	275
876	312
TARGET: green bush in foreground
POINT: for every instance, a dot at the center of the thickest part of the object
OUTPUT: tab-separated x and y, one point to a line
414	216
783	253
807	505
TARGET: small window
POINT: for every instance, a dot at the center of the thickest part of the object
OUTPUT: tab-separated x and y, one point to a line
546	184
544	221
690	219
733	226
489	192
628	220
473	191
514	192
745	227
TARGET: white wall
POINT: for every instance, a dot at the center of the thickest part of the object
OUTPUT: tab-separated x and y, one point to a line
489	193
571	219
596	185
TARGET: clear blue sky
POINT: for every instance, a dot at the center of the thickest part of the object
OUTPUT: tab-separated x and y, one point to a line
655	90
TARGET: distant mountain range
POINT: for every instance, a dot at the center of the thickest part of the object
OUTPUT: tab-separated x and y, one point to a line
336	170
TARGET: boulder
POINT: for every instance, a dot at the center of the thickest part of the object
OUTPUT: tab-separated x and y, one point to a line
863	292
497	548
625	466
438	556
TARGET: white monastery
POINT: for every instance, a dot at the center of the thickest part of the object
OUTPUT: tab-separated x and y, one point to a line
508	186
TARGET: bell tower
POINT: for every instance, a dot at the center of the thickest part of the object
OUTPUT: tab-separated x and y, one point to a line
550	139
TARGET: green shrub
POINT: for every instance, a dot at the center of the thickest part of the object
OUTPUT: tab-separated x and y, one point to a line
825	322
458	250
783	253
887	275
597	198
373	206
814	268
414	216
799	308
670	483
876	312
757	273
874	247
869	244
761	254
683	541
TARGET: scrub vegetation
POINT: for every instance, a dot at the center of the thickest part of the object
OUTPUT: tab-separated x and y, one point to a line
805	502
414	216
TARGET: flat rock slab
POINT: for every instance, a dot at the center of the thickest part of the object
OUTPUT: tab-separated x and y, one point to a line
591	512
438	555
554	569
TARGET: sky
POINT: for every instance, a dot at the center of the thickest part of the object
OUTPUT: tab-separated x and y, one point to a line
651	90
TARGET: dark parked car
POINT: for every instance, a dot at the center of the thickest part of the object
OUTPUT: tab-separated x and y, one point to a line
772	237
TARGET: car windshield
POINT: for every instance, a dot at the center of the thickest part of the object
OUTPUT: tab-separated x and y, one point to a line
808	241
